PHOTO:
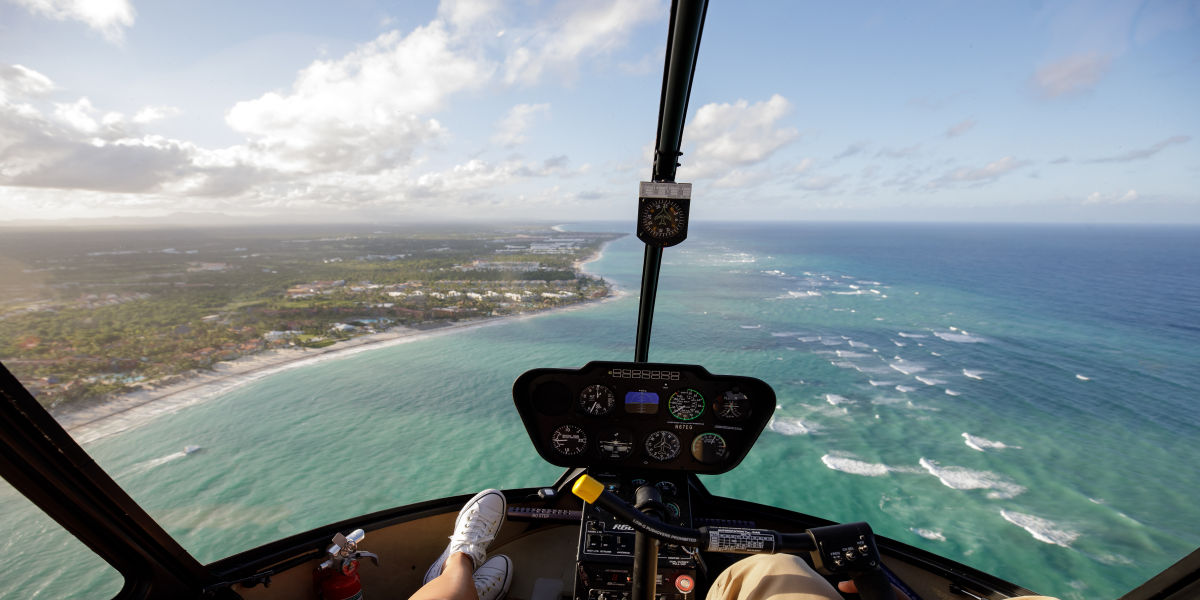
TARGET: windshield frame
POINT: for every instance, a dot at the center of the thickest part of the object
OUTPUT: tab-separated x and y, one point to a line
45	464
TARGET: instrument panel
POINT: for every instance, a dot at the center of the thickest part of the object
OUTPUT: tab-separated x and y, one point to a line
642	416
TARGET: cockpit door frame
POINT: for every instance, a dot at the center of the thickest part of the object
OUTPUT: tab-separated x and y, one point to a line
43	462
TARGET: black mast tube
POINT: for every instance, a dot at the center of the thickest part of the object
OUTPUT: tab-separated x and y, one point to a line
683	46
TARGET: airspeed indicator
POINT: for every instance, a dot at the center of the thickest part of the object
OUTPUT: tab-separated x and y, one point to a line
686	404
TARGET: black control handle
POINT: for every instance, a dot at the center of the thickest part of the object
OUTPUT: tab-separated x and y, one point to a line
874	585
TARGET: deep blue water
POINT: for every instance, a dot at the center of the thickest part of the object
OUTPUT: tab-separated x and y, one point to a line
1020	398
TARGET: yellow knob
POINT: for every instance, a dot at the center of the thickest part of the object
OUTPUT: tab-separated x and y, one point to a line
587	488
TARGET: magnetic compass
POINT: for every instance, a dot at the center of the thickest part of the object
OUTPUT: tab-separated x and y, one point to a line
663	213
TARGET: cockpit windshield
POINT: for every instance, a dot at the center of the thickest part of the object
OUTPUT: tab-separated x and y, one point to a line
277	266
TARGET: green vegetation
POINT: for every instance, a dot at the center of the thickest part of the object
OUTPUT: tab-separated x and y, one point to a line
87	314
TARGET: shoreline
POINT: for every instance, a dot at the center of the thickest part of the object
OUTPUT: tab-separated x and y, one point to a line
133	409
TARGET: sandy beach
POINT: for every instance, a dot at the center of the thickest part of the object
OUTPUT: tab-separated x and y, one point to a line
124	412
135	408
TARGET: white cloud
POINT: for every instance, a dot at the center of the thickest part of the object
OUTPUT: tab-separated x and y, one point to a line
851	150
510	131
465	14
1144	152
109	17
1071	75
19	82
82	148
905	152
1115	198
987	173
586	29
726	136
150	114
960	128
364	112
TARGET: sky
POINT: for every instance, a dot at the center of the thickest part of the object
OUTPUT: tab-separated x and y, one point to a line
1072	111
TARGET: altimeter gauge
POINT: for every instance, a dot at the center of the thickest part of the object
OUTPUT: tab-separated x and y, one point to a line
597	400
663	212
710	448
686	404
662	445
569	440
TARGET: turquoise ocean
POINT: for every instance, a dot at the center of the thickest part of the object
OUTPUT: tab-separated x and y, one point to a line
1024	399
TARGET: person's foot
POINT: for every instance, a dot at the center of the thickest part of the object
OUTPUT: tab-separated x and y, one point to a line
474	530
493	578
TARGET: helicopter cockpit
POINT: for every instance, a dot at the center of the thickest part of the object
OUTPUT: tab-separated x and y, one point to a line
637	431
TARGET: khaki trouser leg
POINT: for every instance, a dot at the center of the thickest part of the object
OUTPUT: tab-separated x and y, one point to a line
771	577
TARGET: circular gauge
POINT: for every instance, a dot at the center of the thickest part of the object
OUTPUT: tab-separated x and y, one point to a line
597	400
569	440
616	444
663	218
662	445
673	510
732	406
686	404
667	488
709	448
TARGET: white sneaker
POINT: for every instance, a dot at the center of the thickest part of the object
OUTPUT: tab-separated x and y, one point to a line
474	530
493	578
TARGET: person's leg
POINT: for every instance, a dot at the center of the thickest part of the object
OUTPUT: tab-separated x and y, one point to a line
474	530
454	583
461	573
771	577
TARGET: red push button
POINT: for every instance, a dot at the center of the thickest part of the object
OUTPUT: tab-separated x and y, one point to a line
684	584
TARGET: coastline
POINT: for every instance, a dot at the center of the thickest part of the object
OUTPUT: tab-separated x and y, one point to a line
133	409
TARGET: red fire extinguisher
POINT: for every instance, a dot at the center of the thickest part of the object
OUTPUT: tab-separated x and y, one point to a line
337	577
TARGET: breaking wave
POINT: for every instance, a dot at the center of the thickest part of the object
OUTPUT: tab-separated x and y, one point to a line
855	466
929	534
973	374
906	367
961	478
790	426
982	444
803	294
1042	530
959	336
836	400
